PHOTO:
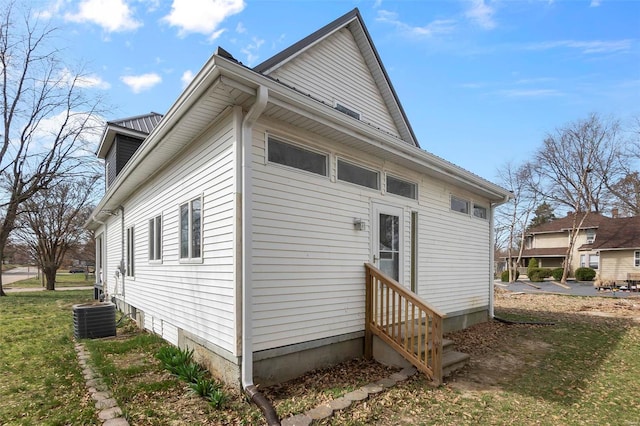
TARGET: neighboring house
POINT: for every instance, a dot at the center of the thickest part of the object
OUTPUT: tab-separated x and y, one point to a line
618	243
610	245
242	223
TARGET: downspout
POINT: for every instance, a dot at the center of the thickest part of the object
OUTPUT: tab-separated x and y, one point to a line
262	95
122	253
100	276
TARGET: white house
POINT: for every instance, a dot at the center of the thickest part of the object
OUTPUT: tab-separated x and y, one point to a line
239	223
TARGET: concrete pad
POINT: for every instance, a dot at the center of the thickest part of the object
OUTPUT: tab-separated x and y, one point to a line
386	383
118	421
372	388
357	395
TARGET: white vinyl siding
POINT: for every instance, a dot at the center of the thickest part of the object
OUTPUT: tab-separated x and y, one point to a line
344	78
198	298
308	260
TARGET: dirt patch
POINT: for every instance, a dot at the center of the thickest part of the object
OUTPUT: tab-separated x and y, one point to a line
498	355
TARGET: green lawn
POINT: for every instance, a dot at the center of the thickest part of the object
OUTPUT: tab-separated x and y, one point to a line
587	374
63	279
40	379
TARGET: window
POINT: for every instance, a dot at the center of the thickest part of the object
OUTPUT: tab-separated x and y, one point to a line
636	259
593	261
297	157
479	211
459	205
345	110
591	236
348	172
130	253
191	229
583	261
402	187
155	238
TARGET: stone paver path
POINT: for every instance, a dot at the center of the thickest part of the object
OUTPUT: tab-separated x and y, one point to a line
326	410
108	411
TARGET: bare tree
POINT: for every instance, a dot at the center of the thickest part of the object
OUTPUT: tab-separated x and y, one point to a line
53	222
572	167
513	216
624	183
46	117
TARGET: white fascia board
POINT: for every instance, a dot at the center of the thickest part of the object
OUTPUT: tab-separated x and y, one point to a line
198	86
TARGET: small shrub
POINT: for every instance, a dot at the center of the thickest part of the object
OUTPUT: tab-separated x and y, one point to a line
585	274
538	275
504	277
557	273
533	264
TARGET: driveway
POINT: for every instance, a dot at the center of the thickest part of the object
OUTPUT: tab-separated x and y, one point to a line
575	288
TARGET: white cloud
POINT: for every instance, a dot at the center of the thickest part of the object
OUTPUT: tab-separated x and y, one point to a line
202	16
251	50
587	47
482	14
440	26
68	78
594	3
186	78
73	121
139	83
111	15
241	29
530	93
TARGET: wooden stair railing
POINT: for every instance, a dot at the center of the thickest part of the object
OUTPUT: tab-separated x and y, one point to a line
404	321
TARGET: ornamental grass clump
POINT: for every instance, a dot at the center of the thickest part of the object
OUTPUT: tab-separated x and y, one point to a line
180	363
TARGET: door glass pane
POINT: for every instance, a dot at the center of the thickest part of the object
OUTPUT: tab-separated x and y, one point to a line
389	245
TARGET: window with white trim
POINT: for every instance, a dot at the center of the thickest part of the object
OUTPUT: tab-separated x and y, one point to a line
459	205
155	238
352	173
402	187
591	236
297	157
479	211
191	229
130	267
636	259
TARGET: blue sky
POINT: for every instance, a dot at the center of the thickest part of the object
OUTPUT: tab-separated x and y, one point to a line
482	82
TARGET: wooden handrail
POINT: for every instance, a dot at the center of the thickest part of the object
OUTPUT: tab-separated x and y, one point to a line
404	321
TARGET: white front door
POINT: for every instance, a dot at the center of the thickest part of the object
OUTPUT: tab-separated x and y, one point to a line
387	240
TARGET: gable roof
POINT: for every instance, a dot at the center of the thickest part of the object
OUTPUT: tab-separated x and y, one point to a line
618	233
563	224
138	126
353	22
224	86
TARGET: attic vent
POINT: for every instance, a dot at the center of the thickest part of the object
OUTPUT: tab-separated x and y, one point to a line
351	113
